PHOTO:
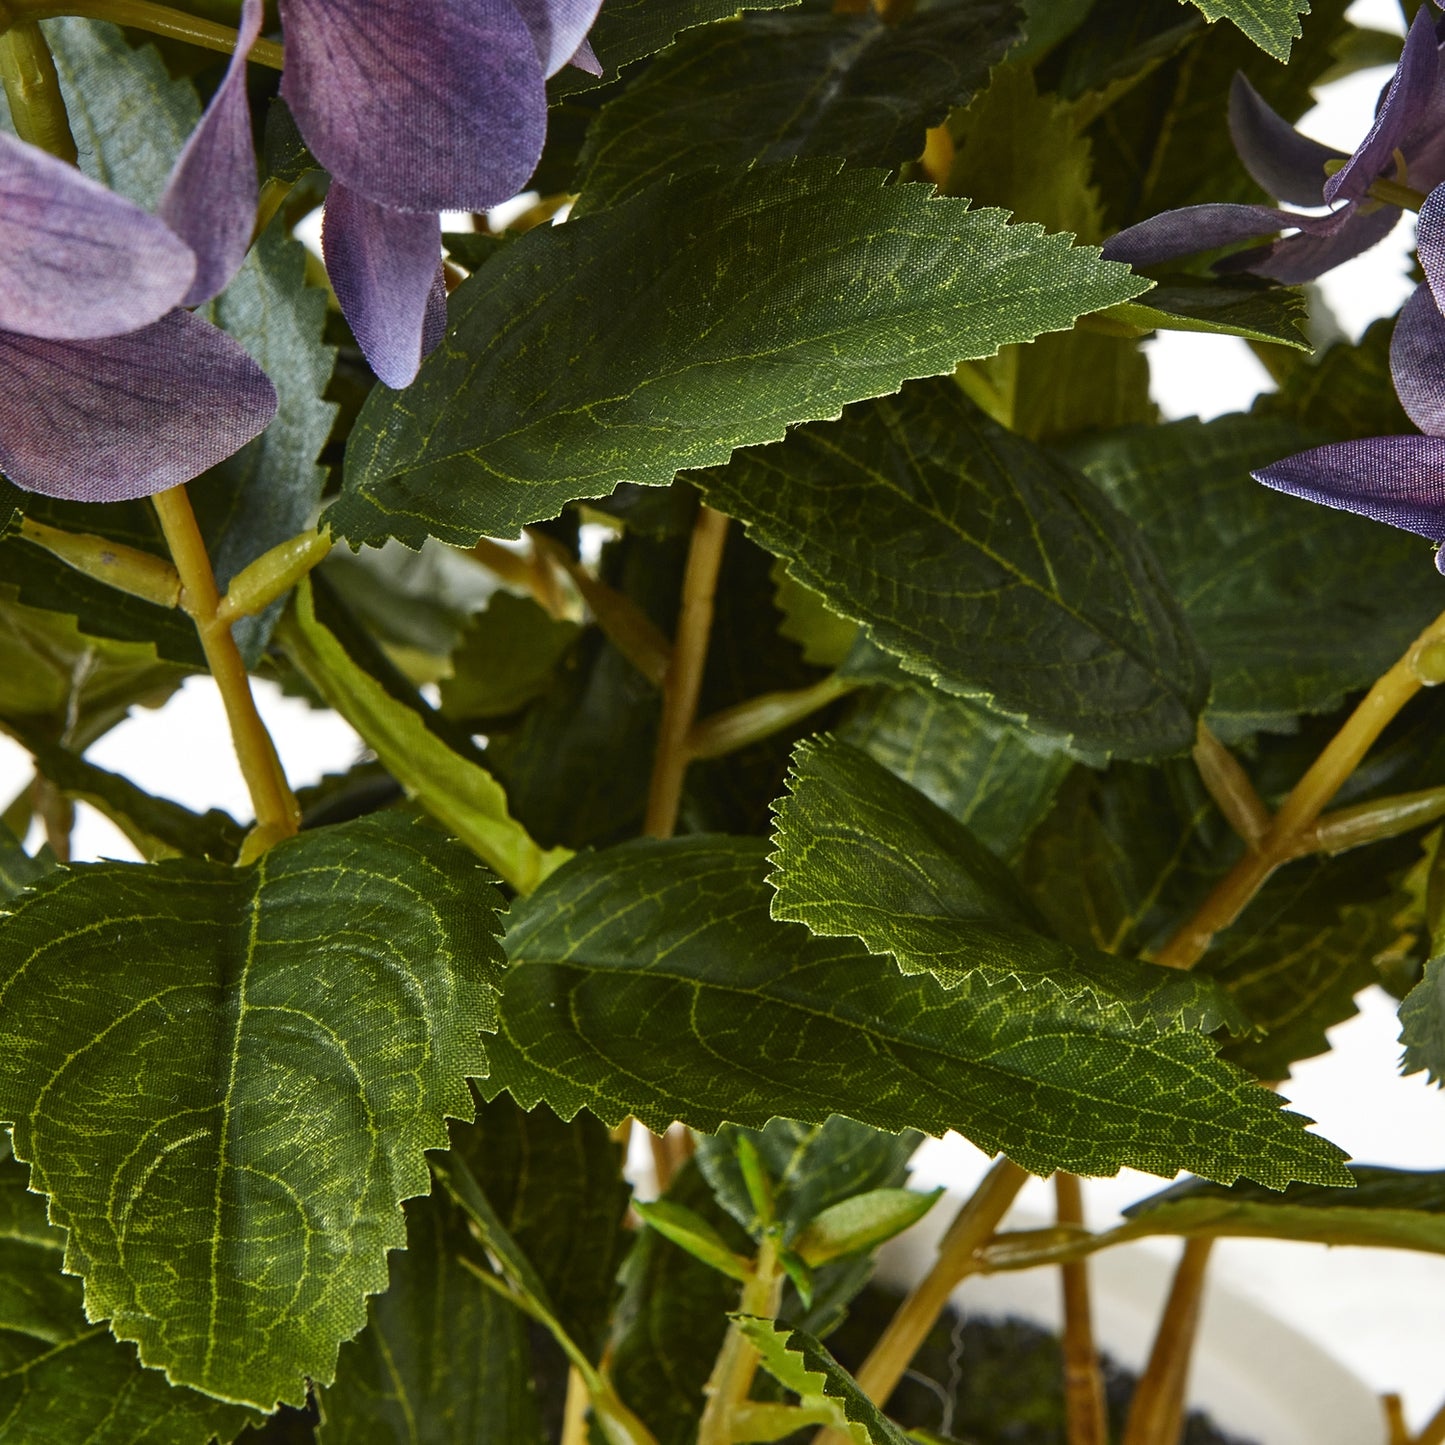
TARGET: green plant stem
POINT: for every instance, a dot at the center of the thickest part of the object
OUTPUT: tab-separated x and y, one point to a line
1348	828
1083	1381
574	1409
277	813
1157	1411
1398	1432
683	682
757	1423
273	574
760	717
737	1362
37	107
1230	787
127	569
155	19
1326	775
916	1316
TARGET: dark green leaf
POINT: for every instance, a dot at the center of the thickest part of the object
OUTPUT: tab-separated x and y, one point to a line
649	979
1422	1024
1273	25
63	1379
18	870
506	659
765	88
1223	308
444	1360
859	853
1295	605
261	1162
988	773
981	563
694	319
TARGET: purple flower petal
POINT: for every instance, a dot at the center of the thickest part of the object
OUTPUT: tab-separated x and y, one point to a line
210	199
1290	166
1198	228
434	325
1404	106
1328	242
1398	480
585	58
383	266
423	105
559	27
1430	241
77	260
1417	361
126	416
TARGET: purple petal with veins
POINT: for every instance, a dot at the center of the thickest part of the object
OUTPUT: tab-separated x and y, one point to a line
1424	147
1398	480
1329	242
126	416
383	267
559	27
423	105
210	199
1198	228
76	260
585	58
1406	103
1290	166
1417	361
1430	241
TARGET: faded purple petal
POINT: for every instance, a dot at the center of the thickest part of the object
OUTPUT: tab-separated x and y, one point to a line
126	416
1399	480
1330	241
1290	166
559	27
1417	361
1197	228
1430	241
210	199
434	325
77	260
585	58
383	266
423	105
1405	105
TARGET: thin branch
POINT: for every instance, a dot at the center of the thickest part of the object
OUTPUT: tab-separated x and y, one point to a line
737	1361
1434	1431
1347	828
32	86
1396	1425
1230	787
157	20
574	1409
1083	1380
760	717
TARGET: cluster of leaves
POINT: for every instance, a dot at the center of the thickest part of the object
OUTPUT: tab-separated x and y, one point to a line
323	1134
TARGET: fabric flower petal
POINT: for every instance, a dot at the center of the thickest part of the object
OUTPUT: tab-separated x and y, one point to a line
77	260
423	105
1430	241
1323	246
1398	480
585	58
434	324
210	199
1197	228
1424	146
1290	166
383	268
559	27
1417	361
126	416
1405	104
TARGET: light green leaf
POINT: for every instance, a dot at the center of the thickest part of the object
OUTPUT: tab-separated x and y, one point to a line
988	773
212	1113
981	563
798	1361
506	658
1221	308
694	319
858	853
1422	1024
465	797
649	979
862	1223
690	1231
824	637
63	1379
1273	25
765	88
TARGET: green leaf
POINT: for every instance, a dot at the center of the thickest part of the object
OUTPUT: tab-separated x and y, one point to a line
825	638
506	658
18	870
458	793
862	1223
981	563
650	980
986	772
444	1360
858	853
690	1231
1422	1024
63	1379
1295	605
212	1114
1273	25
765	88
1222	308
694	319
798	1361
269	490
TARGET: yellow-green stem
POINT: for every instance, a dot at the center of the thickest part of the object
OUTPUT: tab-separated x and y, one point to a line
127	569
37	107
760	717
155	19
1230	787
277	814
1434	1431
273	574
1087	1422
737	1362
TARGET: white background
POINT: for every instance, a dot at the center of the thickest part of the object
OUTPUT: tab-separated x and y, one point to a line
1381	1313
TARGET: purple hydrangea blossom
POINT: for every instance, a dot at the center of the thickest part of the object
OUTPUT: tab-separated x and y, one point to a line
1409	126
107	391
